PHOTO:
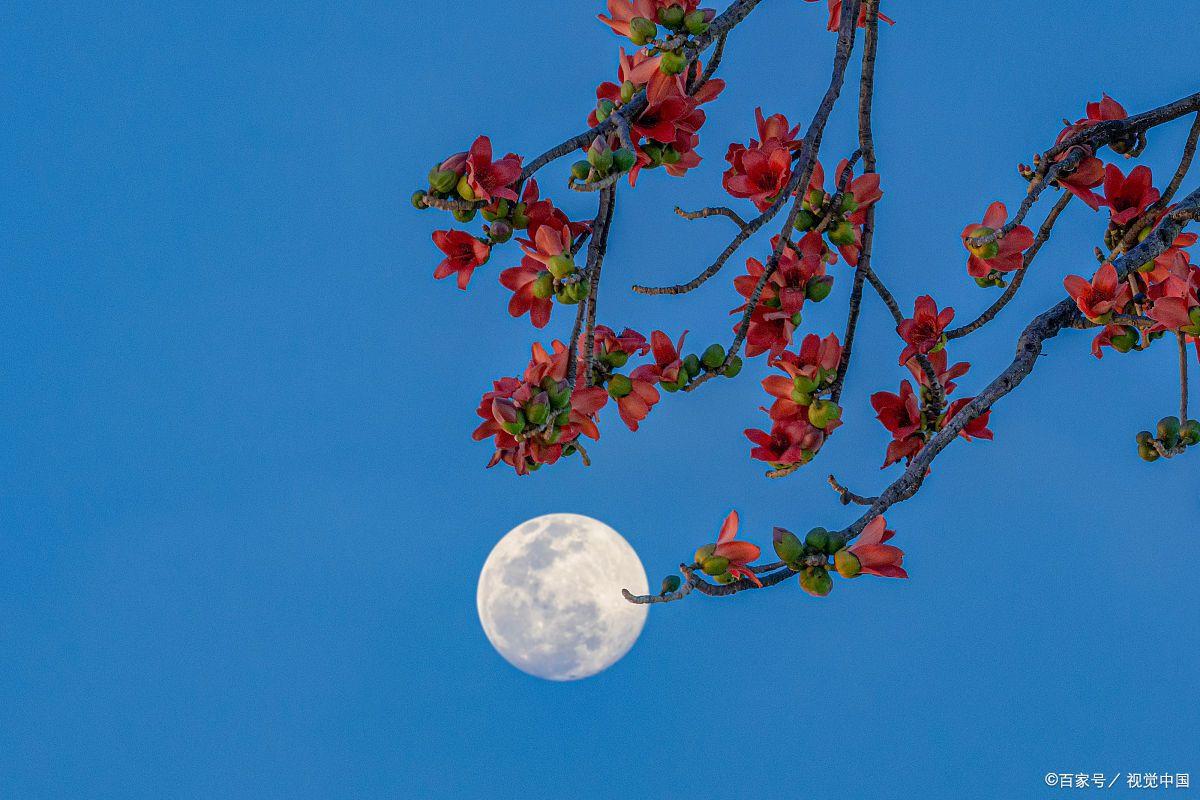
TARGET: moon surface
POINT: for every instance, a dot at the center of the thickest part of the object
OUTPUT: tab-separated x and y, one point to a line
550	599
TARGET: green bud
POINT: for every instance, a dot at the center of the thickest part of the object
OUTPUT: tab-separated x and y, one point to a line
724	578
537	413
464	189
816	581
691	365
600	157
704	553
563	418
543	286
519	218
696	22
580	170
1124	342
443	181
734	367
604	109
418	200
1168	431
683	380
817	539
804	221
619	386
672	63
654	152
617	358
842	234
846	563
819	288
823	413
1148	453
672	17
1144	437
715	565
1189	432
465	215
670	155
815	199
713	357
628	89
797	318
560	266
849	204
670	584
642	30
787	546
624	159
516	426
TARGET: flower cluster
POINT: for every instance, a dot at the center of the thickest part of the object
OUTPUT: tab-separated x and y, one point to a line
1173	436
913	420
835	15
800	419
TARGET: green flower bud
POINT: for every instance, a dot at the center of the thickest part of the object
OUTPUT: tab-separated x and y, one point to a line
715	565
515	426
563	418
985	251
818	288
464	189
713	356
580	170
628	89
537	413
842	234
797	318
642	30
733	367
418	200
616	358
817	539
600	157
696	22
691	365
822	413
672	17
670	584
1189	432
624	159
1124	342
560	266
443	181
619	386
1144	437
1168	431
816	581
543	286
849	204
654	152
704	553
519	218
465	215
787	546
724	578
804	221
604	108
846	563
683	380
1148	453
815	199
500	231
670	155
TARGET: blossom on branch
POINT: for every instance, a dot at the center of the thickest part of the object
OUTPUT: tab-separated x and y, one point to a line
923	332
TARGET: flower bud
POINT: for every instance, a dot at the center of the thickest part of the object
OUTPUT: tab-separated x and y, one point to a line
654	152
842	234
846	563
1189	432
815	199
804	221
604	109
465	190
715	565
624	159
580	170
418	200
984	251
1168	431
619	386
797	318
642	30
520	219
628	89
560	266
817	539
724	578
443	181
733	367
849	204
1144	437
816	581
670	584
692	365
823	413
787	545
537	413
1148	452
500	231
1124	342
704	552
543	286
563	418
672	16
696	22
672	63
599	156
617	358
713	356
818	288
506	412
464	215
670	155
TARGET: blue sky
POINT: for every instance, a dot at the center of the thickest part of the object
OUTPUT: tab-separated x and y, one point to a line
241	515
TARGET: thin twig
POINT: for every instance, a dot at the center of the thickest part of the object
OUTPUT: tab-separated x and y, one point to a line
712	211
1183	378
848	496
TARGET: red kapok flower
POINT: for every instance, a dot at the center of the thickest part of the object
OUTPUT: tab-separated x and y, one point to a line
1101	296
463	254
901	415
1128	197
667	362
521	279
923	331
792	440
835	15
945	375
1002	255
876	557
491	179
737	553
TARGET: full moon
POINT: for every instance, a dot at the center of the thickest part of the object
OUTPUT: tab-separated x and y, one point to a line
550	597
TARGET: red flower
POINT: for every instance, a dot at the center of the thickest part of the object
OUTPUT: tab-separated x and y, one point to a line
758	173
793	440
623	11
876	557
835	15
548	242
614	351
737	554
667	362
777	314
1002	255
863	191
976	428
923	331
1089	172
491	179
463	254
520	280
945	375
1128	197
543	212
1100	297
901	415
